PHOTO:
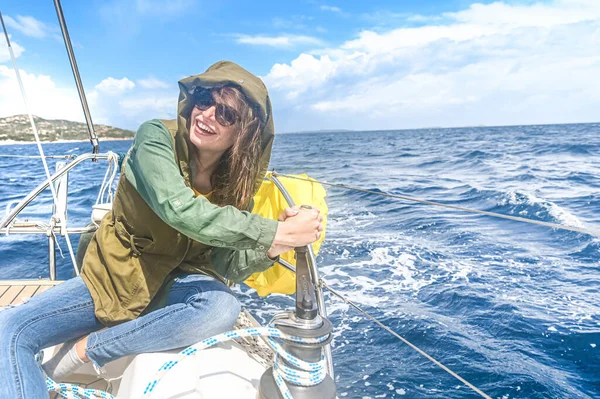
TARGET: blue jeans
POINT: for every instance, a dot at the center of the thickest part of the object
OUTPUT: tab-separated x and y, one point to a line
198	307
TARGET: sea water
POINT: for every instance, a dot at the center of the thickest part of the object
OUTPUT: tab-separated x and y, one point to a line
513	308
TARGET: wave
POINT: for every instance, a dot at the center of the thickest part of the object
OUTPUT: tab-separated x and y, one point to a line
462	286
529	205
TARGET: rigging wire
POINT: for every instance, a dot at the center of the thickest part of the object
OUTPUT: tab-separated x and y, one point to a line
39	156
38	141
395	334
455	207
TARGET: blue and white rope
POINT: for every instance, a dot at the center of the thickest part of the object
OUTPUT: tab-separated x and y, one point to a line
72	391
309	374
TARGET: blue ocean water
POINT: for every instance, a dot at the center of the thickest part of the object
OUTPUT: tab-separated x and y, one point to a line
511	307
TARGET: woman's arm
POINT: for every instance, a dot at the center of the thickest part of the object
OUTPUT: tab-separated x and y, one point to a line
237	266
152	170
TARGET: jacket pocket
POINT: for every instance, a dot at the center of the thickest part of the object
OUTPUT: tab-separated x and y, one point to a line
136	244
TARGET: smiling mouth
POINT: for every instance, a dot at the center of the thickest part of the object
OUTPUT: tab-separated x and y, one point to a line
204	128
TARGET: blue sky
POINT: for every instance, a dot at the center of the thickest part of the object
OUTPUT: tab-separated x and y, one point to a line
328	65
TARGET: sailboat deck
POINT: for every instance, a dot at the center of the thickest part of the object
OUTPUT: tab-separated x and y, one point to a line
15	292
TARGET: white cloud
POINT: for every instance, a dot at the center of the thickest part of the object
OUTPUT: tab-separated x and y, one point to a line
279	41
499	14
4	53
488	64
152	83
44	97
330	8
160	105
29	26
134	104
114	86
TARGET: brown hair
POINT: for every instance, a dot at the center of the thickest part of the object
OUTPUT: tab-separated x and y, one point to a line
233	180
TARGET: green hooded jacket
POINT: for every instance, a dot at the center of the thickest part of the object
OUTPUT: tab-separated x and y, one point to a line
157	227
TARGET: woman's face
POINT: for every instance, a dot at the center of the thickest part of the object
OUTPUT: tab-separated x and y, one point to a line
208	135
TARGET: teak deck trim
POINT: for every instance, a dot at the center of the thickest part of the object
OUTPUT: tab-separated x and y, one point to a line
14	292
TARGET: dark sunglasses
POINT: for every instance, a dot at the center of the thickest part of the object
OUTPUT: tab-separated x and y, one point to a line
224	114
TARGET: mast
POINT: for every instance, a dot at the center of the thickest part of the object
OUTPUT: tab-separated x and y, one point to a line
84	104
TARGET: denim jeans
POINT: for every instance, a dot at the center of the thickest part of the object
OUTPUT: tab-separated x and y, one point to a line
198	307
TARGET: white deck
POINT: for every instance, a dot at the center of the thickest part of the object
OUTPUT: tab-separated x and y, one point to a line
221	372
224	371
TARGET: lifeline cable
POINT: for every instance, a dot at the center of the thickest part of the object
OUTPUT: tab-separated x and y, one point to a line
38	142
460	208
407	342
38	156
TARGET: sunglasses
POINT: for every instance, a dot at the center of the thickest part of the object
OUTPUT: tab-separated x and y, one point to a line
224	114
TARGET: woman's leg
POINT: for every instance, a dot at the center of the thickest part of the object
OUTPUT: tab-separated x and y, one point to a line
62	313
198	307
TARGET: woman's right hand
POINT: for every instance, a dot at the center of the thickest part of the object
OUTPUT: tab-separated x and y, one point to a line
297	230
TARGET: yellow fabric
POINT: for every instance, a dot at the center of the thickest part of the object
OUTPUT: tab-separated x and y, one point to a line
197	193
269	202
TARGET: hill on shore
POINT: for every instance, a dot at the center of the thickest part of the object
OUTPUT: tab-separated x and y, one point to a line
18	128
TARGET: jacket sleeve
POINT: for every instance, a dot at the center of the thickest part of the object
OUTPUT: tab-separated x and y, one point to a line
152	170
237	266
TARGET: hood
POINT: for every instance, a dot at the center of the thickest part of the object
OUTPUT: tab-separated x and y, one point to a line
220	74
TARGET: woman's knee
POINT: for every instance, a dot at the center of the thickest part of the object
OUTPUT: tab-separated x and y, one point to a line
218	309
228	306
11	328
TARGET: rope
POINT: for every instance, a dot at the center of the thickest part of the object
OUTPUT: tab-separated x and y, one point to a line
105	195
106	192
38	142
310	374
72	391
460	208
422	352
305	374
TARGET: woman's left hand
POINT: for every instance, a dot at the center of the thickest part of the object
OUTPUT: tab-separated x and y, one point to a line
277	250
290	212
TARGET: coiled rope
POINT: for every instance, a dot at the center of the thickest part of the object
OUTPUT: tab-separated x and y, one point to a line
72	391
309	374
312	374
455	207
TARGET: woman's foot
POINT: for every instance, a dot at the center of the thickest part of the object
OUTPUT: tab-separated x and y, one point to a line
66	360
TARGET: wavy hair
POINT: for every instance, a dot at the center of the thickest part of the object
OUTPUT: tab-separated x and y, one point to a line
233	180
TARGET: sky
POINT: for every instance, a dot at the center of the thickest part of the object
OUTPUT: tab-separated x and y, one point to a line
359	65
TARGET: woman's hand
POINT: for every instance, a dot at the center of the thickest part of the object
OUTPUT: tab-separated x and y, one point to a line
298	227
288	213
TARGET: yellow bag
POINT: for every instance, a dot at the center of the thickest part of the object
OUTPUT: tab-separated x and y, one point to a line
269	203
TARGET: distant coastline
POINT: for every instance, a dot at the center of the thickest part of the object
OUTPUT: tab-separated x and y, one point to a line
16	129
435	128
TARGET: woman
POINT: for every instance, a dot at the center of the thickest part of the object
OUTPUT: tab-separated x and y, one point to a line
153	272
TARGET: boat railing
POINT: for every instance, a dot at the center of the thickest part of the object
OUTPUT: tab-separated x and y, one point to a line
57	225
